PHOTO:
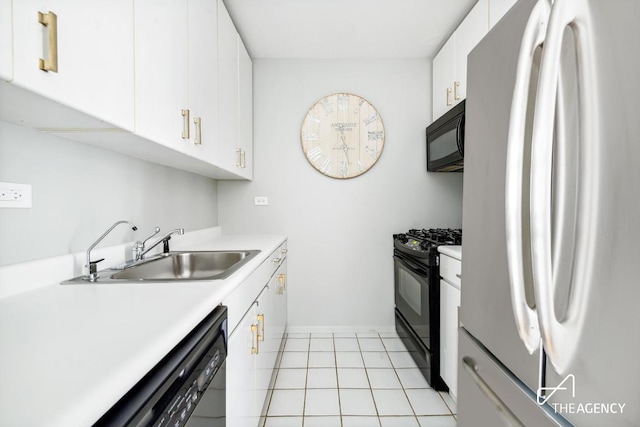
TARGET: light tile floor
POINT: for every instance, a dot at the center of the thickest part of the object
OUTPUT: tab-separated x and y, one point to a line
353	380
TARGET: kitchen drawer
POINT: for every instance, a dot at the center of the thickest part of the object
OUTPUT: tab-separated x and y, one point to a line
451	270
475	407
241	299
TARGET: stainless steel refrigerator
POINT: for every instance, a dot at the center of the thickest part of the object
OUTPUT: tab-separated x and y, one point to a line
550	308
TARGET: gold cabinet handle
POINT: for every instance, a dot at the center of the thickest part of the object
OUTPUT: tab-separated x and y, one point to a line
284	251
185	124
50	20
449	102
276	260
456	86
254	333
261	323
241	159
198	123
282	284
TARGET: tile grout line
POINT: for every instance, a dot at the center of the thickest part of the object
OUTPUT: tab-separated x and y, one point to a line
366	372
306	381
415	415
335	359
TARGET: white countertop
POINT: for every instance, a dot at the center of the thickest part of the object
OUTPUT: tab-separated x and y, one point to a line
69	352
454	251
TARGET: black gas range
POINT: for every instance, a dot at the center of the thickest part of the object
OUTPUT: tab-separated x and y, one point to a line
417	295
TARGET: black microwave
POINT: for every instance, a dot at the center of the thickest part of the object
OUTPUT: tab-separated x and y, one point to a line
445	141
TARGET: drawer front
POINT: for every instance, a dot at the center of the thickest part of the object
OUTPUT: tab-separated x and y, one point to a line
240	300
474	406
451	270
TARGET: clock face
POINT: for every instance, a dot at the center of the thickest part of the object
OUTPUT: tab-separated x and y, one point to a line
342	135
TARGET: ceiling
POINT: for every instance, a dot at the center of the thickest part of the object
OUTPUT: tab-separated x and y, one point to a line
355	29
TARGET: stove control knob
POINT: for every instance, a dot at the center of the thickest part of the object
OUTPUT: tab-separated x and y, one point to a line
425	245
403	238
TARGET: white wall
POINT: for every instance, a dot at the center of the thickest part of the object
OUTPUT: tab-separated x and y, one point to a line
340	231
80	190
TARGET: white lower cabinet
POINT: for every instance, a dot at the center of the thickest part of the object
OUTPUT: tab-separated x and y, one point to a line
241	373
449	306
255	340
450	283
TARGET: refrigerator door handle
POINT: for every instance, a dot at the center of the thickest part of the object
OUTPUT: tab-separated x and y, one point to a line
560	337
509	417
533	37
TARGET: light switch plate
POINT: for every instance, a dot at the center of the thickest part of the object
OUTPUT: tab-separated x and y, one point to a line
15	195
261	201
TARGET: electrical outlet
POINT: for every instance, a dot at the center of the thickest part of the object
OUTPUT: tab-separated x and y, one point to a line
261	201
15	195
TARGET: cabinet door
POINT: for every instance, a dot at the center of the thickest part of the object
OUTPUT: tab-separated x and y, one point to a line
449	305
241	373
472	29
245	111
443	79
161	75
203	83
279	322
272	305
266	357
94	55
6	41
497	9
227	90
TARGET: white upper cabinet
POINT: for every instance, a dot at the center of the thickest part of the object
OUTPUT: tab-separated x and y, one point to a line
228	80
443	75
450	64
235	98
497	9
203	82
6	41
153	79
474	27
77	53
245	112
161	72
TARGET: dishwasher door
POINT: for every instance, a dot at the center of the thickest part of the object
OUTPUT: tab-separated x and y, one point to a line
188	384
210	408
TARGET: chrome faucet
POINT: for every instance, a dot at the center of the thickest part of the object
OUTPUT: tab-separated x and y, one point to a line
164	239
90	269
139	247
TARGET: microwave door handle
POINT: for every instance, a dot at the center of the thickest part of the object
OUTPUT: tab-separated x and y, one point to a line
560	338
533	37
460	135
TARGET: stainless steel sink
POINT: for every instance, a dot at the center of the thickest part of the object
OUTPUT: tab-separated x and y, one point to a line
178	266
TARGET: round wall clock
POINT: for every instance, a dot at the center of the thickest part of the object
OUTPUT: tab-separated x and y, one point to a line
342	135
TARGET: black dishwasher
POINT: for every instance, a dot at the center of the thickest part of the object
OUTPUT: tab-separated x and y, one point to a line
186	387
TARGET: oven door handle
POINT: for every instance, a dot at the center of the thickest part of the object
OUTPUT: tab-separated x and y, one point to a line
411	265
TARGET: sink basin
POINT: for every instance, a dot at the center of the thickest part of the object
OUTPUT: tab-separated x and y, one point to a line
188	266
178	266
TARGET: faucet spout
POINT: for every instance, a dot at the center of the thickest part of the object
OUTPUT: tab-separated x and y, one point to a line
90	268
164	239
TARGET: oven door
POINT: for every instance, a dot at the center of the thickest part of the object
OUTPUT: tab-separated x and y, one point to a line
412	296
